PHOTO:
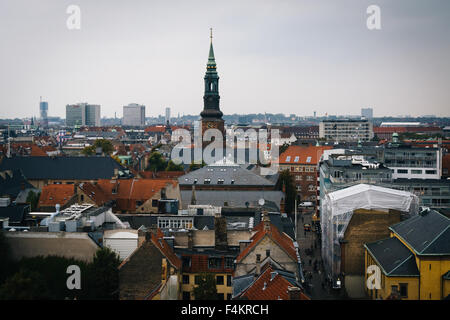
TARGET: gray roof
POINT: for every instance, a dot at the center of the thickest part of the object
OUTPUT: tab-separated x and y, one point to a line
393	257
232	175
14	185
283	223
427	233
233	198
63	168
15	213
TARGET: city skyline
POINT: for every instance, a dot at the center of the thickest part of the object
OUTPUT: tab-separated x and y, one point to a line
291	58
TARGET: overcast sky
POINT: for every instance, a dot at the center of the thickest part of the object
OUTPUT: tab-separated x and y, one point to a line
272	56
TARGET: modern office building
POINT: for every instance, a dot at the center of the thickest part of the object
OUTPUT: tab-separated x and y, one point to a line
43	112
167	115
346	130
134	115
82	114
367	113
408	162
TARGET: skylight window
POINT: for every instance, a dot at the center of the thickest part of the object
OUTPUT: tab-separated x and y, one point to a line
296	159
288	158
308	160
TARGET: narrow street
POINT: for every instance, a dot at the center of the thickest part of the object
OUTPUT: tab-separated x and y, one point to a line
310	254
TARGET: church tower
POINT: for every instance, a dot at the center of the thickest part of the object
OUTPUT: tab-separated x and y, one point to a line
211	116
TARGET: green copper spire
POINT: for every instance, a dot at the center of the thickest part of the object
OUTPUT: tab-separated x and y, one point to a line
211	98
211	60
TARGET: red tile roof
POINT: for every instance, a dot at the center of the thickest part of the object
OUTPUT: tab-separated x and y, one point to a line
281	239
199	263
127	191
303	153
166	249
275	289
56	194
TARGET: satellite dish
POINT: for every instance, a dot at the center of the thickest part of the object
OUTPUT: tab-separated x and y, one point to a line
261	202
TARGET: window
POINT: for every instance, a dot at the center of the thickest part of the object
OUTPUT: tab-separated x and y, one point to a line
228	296
229	263
219	280
186	295
402	171
154	202
197	279
186	262
185	279
220	181
430	171
228	281
403	290
288	158
267	253
258	258
416	171
214	263
308	160
207	181
220	296
82	198
296	159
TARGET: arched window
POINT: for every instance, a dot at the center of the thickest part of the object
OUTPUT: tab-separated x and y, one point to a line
210	86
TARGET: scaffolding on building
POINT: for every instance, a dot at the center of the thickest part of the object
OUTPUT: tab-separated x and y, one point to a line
337	210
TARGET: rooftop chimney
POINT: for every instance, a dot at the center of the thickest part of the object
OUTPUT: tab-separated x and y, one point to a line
294	293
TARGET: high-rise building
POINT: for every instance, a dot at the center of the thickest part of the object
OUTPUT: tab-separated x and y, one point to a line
367	113
82	114
167	114
133	115
43	112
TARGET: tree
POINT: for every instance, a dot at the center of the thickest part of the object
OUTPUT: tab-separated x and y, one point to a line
104	274
171	166
194	166
206	287
287	181
284	147
106	146
156	162
24	285
33	199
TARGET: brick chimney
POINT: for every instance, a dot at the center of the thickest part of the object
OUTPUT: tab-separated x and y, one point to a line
294	293
258	265
266	221
190	239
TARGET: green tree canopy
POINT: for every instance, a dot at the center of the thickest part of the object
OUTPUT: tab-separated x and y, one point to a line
156	162
106	145
171	166
206	288
105	274
194	166
33	199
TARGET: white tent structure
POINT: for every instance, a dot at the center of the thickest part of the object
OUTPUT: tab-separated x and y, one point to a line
337	210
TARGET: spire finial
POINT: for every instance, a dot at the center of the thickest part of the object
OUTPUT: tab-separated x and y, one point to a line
211	34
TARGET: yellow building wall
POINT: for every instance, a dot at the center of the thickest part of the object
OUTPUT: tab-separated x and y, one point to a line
446	288
431	270
387	283
431	282
220	288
